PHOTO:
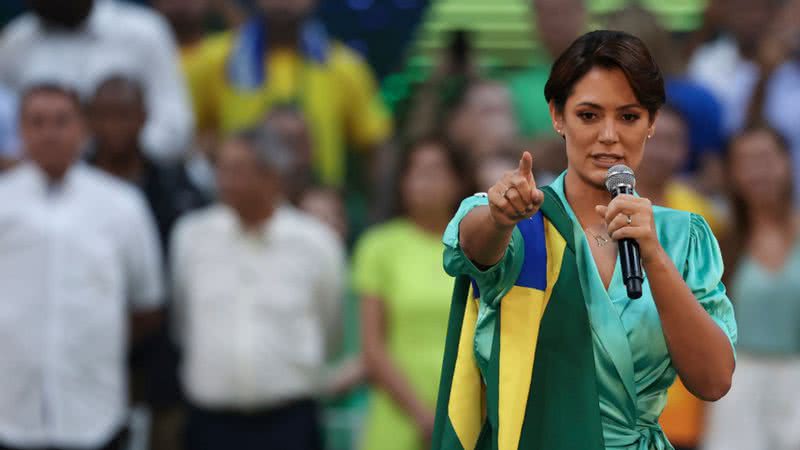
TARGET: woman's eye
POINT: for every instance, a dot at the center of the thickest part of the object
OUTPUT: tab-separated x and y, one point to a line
586	115
629	117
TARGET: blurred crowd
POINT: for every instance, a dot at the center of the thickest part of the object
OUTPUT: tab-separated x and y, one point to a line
214	233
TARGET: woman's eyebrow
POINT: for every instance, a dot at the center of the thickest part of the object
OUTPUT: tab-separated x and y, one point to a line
595	105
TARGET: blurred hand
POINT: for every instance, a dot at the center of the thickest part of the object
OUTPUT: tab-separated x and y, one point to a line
515	196
631	217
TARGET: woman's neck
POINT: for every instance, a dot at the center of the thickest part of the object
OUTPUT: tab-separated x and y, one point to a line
583	197
434	223
766	217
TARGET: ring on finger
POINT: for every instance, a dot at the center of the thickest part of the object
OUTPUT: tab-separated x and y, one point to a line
629	219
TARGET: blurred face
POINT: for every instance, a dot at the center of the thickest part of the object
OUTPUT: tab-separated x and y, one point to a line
559	22
242	180
294	132
52	131
666	150
116	118
430	185
485	122
604	125
491	169
759	169
286	11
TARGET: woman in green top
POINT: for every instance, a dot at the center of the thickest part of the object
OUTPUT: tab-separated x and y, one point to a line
403	289
762	410
546	259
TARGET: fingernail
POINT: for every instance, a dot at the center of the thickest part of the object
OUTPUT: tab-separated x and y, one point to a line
529	208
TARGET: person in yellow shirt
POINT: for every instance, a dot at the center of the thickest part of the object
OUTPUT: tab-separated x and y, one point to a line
683	417
282	56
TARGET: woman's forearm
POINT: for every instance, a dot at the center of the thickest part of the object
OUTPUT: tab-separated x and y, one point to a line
483	241
700	350
380	368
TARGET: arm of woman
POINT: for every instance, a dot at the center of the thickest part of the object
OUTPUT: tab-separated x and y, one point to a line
485	232
382	370
700	349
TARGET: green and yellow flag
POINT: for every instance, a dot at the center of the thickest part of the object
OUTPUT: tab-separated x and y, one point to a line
538	390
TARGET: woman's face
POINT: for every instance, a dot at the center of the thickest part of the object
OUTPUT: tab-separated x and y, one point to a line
430	184
759	169
604	125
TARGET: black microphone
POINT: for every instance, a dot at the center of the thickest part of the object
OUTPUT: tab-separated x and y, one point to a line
620	180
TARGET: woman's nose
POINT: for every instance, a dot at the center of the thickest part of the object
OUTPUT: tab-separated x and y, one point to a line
608	134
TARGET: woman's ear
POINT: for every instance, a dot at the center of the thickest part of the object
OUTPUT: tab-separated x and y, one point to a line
557	118
651	131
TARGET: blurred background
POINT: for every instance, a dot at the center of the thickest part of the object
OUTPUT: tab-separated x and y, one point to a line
376	117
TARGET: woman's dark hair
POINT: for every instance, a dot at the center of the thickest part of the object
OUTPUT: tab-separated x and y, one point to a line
456	158
609	50
741	226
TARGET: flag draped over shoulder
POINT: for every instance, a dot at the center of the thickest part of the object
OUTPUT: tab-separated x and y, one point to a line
539	389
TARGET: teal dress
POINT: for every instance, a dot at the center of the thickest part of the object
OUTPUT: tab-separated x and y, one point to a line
632	363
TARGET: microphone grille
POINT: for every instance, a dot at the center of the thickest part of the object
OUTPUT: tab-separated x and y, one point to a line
619	175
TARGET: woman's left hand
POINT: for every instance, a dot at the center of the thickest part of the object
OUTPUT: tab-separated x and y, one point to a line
632	217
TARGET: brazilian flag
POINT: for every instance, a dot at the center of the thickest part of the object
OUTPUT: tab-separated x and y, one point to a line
540	389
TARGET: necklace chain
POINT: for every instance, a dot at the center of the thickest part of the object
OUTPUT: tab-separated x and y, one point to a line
600	240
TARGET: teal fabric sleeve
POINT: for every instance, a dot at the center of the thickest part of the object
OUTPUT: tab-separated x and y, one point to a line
703	275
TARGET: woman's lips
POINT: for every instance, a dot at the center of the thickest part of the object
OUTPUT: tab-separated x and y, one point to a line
607	161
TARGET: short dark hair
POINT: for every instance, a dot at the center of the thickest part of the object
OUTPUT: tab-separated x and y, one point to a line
607	49
49	88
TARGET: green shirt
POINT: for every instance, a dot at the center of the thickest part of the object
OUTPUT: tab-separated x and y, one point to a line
401	264
632	362
768	307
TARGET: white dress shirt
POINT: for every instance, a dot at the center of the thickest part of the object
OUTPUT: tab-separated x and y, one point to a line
72	257
118	38
256	310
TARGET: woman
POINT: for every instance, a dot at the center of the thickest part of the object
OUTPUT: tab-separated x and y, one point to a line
763	410
547	283
398	275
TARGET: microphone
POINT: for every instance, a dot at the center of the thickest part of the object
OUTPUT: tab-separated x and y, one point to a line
620	180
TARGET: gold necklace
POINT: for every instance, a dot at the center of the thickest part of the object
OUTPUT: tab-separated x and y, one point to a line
600	240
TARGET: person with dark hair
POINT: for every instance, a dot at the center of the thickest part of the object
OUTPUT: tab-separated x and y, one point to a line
397	273
80	257
258	286
545	348
697	104
762	411
80	43
116	117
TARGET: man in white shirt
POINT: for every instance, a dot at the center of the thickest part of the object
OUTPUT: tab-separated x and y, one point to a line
258	289
78	254
79	43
